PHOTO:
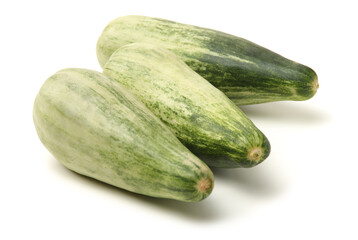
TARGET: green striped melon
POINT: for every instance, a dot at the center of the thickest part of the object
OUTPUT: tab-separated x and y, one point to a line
199	114
246	72
95	127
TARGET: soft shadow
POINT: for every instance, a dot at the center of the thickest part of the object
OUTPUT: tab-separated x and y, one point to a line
255	181
204	211
293	112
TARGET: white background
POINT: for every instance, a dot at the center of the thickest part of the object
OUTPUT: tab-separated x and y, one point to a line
306	189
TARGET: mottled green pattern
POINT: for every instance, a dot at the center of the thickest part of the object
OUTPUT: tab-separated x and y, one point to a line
200	115
95	127
246	72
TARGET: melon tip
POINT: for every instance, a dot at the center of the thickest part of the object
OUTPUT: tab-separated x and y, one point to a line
205	185
255	154
315	85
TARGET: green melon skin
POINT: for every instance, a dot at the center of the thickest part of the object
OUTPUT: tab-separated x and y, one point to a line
246	72
199	114
95	127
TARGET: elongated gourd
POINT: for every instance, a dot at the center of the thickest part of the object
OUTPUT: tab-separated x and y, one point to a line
246	72
200	115
95	127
